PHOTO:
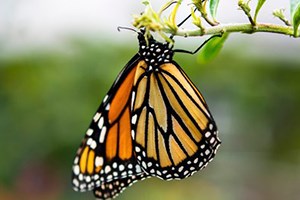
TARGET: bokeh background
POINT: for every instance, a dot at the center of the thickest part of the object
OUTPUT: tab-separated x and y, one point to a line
58	59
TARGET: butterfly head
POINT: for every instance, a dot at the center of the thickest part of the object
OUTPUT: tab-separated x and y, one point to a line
153	52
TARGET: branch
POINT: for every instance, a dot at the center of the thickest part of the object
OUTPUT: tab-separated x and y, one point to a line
245	7
238	27
152	21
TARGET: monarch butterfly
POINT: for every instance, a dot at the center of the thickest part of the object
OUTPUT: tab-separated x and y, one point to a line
152	122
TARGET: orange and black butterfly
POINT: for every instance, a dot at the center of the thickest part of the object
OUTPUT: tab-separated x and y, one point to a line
152	122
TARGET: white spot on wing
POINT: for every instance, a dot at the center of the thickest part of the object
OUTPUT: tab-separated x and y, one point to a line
76	169
196	161
207	134
107	107
89	141
89	132
75	182
105	98
99	161
133	134
82	186
132	98
133	119
114	165
137	149
97	116
144	165
121	167
101	122
107	169
76	160
96	176
138	168
93	144
102	135
185	172
207	152
115	174
180	169
88	179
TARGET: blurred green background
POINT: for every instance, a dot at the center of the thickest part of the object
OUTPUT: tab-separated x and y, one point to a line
48	97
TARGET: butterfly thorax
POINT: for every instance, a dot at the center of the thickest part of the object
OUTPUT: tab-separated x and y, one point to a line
154	53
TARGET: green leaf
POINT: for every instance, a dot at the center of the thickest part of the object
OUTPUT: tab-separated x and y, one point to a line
213	6
293	5
212	48
295	13
258	7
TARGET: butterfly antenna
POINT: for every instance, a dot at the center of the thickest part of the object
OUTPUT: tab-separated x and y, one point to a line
193	52
182	22
119	28
169	5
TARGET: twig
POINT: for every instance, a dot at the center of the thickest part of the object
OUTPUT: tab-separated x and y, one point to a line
239	27
245	7
209	21
279	14
201	6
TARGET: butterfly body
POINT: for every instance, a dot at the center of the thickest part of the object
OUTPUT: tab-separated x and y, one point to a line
152	122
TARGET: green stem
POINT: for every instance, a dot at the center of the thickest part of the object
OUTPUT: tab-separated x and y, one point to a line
238	27
285	21
210	22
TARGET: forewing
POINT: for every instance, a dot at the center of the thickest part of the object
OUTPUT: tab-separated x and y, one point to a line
106	153
174	132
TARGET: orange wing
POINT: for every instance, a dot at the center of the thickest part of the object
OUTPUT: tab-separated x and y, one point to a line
175	134
106	155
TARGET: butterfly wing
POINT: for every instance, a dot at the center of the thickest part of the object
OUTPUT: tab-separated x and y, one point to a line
112	189
174	132
106	153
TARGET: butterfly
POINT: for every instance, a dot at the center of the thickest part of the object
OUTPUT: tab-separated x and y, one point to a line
152	122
